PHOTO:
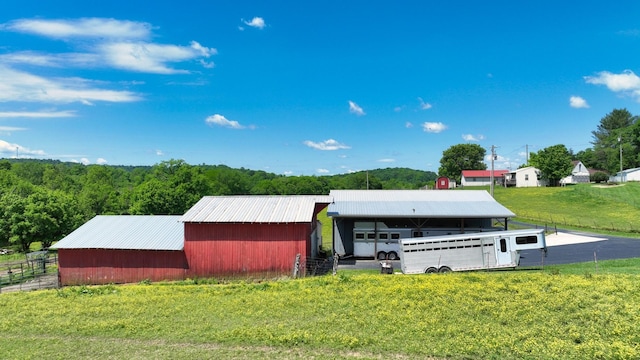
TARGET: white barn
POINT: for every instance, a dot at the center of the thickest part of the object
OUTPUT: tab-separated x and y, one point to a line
579	175
626	175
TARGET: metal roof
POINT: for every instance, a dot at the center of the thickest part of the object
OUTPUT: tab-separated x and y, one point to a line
255	209
483	173
127	232
416	203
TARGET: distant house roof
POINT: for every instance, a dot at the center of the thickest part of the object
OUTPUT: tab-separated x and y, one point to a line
483	173
127	232
255	209
416	204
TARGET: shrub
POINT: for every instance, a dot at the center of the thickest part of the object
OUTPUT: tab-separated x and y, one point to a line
599	177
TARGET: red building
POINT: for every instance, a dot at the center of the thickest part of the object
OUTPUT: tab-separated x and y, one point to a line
123	249
220	235
251	234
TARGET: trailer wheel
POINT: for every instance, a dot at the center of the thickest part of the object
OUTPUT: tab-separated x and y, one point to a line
444	269
392	255
431	270
382	255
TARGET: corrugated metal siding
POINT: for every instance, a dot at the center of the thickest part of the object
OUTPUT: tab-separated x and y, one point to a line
127	232
214	249
254	209
104	266
415	203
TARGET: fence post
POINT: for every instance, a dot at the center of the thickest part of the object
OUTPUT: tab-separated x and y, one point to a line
296	266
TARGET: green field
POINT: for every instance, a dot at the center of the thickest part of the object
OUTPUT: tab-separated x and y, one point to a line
537	314
577	311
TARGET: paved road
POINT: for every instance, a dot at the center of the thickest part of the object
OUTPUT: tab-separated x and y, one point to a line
611	248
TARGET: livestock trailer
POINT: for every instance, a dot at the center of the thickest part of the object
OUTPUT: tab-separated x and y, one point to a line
472	251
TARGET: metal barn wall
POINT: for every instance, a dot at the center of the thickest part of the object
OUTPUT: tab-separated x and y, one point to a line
107	266
224	248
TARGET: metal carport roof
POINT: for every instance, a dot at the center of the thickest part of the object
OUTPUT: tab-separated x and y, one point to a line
416	204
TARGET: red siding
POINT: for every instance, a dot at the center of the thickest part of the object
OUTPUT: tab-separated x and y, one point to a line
214	248
101	266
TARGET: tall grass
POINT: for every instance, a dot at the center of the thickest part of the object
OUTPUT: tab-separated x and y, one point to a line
485	315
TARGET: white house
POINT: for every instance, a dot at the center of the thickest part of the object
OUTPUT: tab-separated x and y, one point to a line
524	177
481	177
579	175
626	175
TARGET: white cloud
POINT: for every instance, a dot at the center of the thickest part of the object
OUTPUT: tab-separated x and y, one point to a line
256	22
626	82
578	102
101	161
434	127
322	171
159	153
470	137
386	160
424	105
9	129
22	86
150	57
37	114
355	109
116	43
408	125
220	120
17	150
326	145
81	28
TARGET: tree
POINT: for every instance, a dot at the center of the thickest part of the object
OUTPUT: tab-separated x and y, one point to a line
461	157
554	163
615	132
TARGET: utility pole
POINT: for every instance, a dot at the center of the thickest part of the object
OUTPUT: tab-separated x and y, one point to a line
493	157
620	143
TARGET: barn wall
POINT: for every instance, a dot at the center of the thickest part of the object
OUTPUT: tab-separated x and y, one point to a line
107	266
237	249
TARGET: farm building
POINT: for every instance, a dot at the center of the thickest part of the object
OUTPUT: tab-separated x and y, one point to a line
579	175
219	235
626	175
121	249
443	183
251	234
524	177
365	222
481	177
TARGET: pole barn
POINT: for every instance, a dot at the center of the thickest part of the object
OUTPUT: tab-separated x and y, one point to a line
240	235
123	249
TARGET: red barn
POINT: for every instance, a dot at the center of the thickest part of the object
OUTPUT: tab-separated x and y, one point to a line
123	249
251	234
220	235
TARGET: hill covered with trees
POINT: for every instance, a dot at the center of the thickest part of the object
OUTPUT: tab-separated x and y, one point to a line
43	200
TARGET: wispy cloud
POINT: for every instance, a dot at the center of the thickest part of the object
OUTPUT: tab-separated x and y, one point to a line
219	120
434	127
37	114
81	28
329	145
578	102
22	86
10	129
355	109
17	150
470	137
113	43
386	160
322	171
424	105
257	22
408	125
627	82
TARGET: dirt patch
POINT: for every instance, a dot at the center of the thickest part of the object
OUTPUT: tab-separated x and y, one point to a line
607	186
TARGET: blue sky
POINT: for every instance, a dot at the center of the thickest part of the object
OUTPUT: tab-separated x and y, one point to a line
310	87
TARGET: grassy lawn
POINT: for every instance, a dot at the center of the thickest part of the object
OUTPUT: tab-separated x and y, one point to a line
549	314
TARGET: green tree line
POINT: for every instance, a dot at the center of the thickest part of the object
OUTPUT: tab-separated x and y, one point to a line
44	200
